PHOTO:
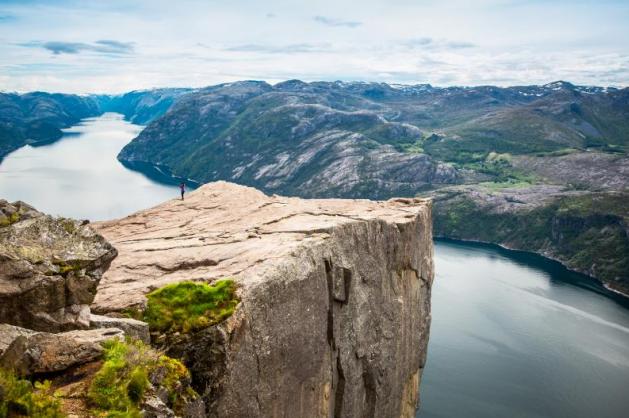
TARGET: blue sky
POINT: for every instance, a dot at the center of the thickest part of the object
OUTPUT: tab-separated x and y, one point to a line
115	46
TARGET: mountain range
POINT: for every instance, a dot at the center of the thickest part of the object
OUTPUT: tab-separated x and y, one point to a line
538	168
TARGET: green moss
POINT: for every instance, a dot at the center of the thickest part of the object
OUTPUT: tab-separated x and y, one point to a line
188	306
68	225
65	268
121	384
19	397
9	220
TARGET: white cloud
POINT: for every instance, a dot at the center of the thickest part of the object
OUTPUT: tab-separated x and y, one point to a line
117	46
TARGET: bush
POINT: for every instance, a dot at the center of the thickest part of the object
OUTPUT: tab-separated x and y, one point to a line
189	306
125	377
19	397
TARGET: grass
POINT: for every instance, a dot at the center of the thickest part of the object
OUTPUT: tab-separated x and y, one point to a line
20	397
125	377
189	306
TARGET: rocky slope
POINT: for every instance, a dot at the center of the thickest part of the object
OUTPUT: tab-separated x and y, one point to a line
334	297
373	140
586	231
49	272
49	269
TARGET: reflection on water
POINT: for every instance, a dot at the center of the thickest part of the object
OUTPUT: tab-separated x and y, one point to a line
79	176
515	335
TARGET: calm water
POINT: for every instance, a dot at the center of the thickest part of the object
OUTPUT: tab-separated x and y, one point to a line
79	175
513	335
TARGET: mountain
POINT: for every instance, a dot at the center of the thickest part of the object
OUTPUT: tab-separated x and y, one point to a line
38	117
538	168
374	140
141	106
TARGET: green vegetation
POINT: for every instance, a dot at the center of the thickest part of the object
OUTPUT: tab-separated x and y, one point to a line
20	397
587	232
9	220
189	306
125	377
68	225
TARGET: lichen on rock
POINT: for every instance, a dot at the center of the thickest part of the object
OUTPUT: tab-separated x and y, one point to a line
49	269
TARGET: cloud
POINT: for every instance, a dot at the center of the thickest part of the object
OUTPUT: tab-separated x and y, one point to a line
270	15
104	46
435	44
302	48
337	22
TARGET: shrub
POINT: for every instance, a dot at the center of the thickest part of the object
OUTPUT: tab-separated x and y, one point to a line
189	306
121	384
19	397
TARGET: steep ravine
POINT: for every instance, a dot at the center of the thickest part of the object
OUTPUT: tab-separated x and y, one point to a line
335	298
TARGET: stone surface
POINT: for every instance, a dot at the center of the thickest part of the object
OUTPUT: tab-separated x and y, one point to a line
44	352
8	334
49	269
335	297
131	327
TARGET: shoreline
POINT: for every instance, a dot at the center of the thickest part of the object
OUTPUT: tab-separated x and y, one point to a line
604	287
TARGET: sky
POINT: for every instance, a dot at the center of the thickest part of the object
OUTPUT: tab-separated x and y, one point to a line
116	46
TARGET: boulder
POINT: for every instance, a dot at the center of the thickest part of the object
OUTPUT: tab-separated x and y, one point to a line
8	334
131	327
49	269
44	352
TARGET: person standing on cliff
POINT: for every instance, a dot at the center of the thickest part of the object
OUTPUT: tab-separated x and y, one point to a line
182	187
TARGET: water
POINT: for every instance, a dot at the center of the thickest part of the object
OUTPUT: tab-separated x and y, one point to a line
513	335
516	335
79	175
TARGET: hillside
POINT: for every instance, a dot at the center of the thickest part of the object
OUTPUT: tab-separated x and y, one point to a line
39	117
564	147
374	140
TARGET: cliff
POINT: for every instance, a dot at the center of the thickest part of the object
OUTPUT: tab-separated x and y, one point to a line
334	308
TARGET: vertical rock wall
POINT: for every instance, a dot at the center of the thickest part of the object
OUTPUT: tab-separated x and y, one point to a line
335	298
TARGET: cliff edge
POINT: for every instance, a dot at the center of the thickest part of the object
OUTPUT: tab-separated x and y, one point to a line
334	308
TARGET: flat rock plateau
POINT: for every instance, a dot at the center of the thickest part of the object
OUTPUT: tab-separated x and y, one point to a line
334	309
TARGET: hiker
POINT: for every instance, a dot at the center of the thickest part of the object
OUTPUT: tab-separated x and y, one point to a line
182	187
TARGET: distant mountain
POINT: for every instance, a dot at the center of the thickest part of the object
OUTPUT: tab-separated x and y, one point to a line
141	106
374	139
39	117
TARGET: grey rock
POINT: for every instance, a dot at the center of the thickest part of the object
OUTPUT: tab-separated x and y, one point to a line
154	407
49	269
8	334
131	327
43	352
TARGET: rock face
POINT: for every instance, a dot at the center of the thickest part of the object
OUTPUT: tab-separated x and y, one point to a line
335	297
43	352
49	269
131	327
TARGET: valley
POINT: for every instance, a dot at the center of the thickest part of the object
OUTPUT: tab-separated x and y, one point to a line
496	160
